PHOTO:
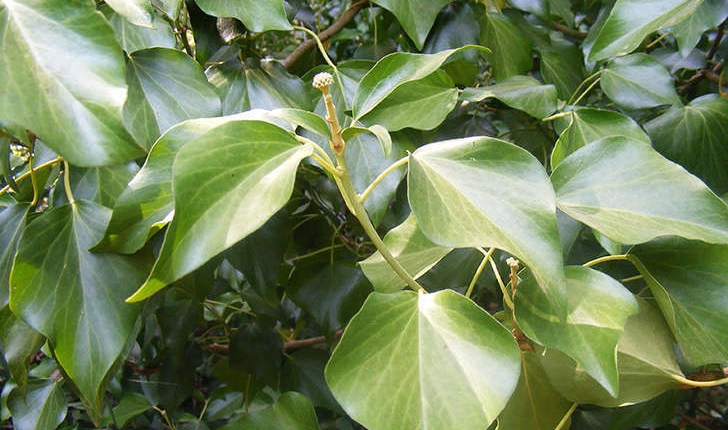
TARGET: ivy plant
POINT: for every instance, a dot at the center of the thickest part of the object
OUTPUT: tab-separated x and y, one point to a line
374	214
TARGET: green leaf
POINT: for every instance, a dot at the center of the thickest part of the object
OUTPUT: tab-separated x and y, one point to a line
511	50
76	298
257	15
227	183
166	87
404	352
19	342
630	21
308	120
257	351
381	133
6	173
694	137
292	411
411	248
562	64
587	125
137	12
597	307
535	404
415	16
303	372
73	106
12	223
130	406
102	185
631	194
688	33
42	407
482	191
519	92
688	279
395	70
134	38
638	81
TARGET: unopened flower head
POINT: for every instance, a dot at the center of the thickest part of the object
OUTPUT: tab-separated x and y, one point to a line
323	79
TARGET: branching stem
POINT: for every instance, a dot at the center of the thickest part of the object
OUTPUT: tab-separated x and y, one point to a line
478	272
67	182
618	257
566	417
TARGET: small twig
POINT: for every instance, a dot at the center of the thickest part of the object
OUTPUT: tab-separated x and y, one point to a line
569	32
716	43
289	345
325	35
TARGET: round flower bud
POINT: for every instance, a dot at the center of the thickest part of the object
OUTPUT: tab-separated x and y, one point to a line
323	79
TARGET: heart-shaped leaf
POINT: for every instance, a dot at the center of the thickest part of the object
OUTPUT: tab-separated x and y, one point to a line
257	15
292	410
638	81
73	106
630	193
416	17
598	307
511	49
519	92
226	183
75	297
482	191
404	352
689	280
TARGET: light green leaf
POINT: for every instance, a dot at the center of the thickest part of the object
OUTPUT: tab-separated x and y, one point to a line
689	279
101	185
73	106
482	191
12	223
694	136
42	407
511	50
19	342
226	184
411	248
74	297
415	16
137	12
631	194
519	92
688	33
166	87
421	104
306	119
134	38
257	15
588	125
638	81
597	308
381	133
292	411
630	21
395	70
535	405
404	352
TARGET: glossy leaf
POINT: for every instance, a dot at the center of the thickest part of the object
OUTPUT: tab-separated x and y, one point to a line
227	183
257	15
411	248
631	194
102	185
42	407
404	352
292	410
694	137
393	71
511	50
688	279
598	307
562	64
588	125
137	12
482	191
638	81
535	404
166	87
134	38
416	17
129	407
74	297
381	133
19	342
73	106
630	21
519	92
688	33
12	223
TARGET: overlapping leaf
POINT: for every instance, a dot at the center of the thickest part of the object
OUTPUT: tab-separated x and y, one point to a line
42	407
134	38
511	50
73	106
562	64
74	297
638	81
519	92
137	12
101	185
482	191
403	353
292	410
257	15
415	16
688	33
689	280
19	342
226	183
12	222
631	194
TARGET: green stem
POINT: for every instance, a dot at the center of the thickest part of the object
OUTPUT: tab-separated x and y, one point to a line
557	116
586	91
67	182
566	417
22	177
581	85
506	294
631	278
397	164
33	181
478	272
619	257
701	384
316	252
324	54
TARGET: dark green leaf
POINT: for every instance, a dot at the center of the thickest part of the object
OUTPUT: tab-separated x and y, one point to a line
694	137
511	50
134	38
303	372
227	183
292	411
709	15
12	223
74	297
416	17
562	64
257	15
129	407
42	407
5	172
631	194
688	279
73	106
404	352
101	185
258	351
18	342
519	92
638	81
